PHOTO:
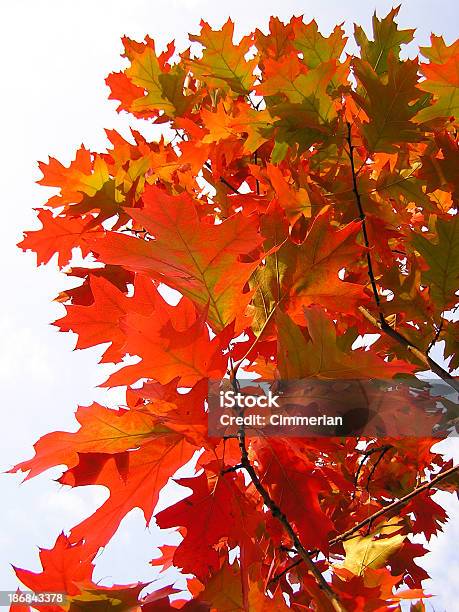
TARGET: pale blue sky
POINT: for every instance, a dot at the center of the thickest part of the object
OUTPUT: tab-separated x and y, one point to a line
56	54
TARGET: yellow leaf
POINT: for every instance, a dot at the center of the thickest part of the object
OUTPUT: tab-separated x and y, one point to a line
373	550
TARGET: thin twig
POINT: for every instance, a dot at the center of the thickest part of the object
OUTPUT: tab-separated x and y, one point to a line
223	179
281	517
401	339
382	323
286	570
233	468
437	335
366	454
363	220
346	535
376	463
394	505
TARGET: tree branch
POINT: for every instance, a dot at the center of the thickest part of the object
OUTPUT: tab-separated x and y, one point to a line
382	324
285	571
223	180
277	512
401	339
280	516
438	331
363	220
366	454
346	535
394	505
384	450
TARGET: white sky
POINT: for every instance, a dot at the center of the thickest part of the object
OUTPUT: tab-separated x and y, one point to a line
56	54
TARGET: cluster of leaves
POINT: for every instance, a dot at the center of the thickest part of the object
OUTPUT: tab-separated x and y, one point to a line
306	198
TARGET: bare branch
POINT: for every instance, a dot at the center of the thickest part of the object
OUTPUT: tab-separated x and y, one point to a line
286	570
363	220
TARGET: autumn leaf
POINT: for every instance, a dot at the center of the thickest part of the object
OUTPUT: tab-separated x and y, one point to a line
317	49
155	462
102	430
222	63
278	40
58	235
389	124
307	90
66	568
442	80
164	348
86	174
320	354
299	497
192	256
215	509
223	592
296	276
442	259
98	322
236	123
387	39
364	552
152	87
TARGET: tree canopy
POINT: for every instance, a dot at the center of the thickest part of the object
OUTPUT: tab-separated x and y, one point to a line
299	199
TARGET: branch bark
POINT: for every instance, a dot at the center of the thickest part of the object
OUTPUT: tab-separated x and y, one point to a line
223	180
363	220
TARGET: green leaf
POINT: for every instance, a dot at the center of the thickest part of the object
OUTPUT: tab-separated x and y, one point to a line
442	80
389	103
316	48
442	257
292	354
223	64
145	72
386	38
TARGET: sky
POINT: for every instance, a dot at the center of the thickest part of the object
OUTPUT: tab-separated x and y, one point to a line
56	54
